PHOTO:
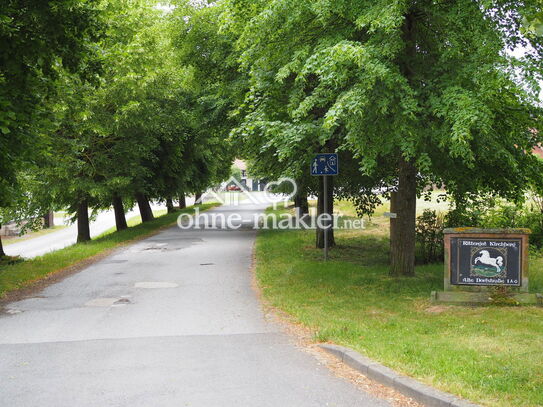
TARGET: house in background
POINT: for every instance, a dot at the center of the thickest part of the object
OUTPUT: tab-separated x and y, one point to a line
252	184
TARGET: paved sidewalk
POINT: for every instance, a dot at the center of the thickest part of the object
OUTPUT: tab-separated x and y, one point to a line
40	245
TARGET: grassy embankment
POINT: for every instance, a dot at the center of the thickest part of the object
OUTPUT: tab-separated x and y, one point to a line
491	355
20	275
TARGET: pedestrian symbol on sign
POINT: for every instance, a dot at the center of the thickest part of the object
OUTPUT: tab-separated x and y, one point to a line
325	164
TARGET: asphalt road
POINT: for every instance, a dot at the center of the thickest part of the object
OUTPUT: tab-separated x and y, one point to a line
170	321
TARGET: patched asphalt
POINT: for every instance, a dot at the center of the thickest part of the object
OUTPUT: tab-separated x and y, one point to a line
172	320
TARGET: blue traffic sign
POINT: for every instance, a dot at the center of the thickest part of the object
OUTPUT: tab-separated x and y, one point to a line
325	164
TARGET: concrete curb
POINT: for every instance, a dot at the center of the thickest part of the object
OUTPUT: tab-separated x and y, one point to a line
419	392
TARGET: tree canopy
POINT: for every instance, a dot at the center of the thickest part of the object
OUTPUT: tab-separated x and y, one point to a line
38	39
420	93
113	102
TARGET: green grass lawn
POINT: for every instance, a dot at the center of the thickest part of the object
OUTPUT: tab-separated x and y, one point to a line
19	275
491	355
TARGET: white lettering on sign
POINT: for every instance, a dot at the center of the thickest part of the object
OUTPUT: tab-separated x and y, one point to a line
502	244
472	243
491	244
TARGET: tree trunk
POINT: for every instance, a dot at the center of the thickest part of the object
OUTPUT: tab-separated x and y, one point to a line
120	218
169	205
145	208
48	220
300	202
197	198
83	227
182	201
2	253
404	201
402	229
321	209
304	205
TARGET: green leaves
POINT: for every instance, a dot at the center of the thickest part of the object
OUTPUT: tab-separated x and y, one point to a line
39	41
533	23
142	99
379	79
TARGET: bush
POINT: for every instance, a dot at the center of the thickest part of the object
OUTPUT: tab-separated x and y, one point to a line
493	213
488	213
429	237
469	212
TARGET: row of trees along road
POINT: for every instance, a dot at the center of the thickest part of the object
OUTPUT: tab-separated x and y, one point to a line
101	108
127	101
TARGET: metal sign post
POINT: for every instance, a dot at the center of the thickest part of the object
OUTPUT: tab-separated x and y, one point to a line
324	165
325	180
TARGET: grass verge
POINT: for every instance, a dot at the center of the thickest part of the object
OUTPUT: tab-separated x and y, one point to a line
490	355
22	274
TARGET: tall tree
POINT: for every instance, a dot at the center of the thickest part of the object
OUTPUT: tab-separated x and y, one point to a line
38	40
424	86
216	89
111	134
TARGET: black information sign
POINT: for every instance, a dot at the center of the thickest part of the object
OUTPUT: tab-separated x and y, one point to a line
476	261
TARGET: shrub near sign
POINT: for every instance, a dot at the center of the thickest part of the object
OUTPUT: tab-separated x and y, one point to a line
486	262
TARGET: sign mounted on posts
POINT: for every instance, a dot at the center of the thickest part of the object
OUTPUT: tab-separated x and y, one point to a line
324	165
485	262
486	265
